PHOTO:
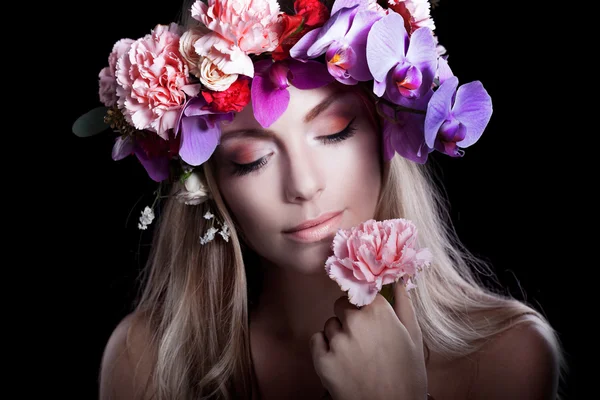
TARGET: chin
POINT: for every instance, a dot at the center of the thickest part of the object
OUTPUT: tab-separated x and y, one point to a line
308	260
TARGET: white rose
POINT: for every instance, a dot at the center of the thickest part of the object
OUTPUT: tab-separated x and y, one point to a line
187	50
212	77
194	192
221	62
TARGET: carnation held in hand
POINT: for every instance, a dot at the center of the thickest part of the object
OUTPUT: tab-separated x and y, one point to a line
373	254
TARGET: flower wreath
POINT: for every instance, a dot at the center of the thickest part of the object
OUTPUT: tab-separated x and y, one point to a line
166	93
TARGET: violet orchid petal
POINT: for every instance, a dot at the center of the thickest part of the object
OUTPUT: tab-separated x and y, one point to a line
260	67
278	75
309	75
268	102
339	58
404	83
438	109
393	94
192	107
449	148
357	39
192	90
443	70
181	115
385	45
196	108
334	29
300	49
156	167
422	54
122	148
379	87
341	75
473	108
406	137
452	130
339	4
199	139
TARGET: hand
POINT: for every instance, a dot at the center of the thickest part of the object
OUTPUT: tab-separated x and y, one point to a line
375	352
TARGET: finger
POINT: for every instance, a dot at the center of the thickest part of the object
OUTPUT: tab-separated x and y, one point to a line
406	312
318	346
333	326
342	308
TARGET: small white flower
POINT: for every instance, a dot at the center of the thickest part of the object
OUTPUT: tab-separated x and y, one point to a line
146	218
225	232
208	236
208	215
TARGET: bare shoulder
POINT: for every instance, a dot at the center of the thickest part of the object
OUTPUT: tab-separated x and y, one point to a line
127	361
522	363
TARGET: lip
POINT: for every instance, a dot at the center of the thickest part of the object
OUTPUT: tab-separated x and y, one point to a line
316	229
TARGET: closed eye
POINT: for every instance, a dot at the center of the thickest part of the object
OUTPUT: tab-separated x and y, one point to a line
344	134
243	169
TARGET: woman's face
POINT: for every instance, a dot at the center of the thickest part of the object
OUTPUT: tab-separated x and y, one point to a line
319	159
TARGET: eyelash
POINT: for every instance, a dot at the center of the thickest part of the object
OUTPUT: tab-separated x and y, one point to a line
346	133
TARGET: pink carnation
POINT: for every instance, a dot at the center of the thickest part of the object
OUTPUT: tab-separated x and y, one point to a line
373	254
253	26
153	81
108	82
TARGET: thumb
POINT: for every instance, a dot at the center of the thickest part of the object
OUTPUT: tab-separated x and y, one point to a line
318	350
318	345
405	310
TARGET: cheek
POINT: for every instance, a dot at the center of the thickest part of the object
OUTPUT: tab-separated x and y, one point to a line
251	201
357	169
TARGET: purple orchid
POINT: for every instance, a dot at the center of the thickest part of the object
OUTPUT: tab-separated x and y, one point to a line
444	71
455	118
200	131
156	167
404	133
269	93
403	66
343	40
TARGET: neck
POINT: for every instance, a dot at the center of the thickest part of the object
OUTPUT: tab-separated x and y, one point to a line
292	306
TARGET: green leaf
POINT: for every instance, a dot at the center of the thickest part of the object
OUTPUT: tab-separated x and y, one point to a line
185	175
91	123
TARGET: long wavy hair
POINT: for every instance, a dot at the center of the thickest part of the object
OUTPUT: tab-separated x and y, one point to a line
196	298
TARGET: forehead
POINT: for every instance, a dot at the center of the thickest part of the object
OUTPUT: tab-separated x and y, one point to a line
301	107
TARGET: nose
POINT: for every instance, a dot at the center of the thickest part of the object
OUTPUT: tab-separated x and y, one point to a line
305	180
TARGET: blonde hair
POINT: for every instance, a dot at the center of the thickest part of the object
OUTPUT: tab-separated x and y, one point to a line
196	298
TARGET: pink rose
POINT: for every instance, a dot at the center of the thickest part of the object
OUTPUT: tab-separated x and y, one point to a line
108	82
373	254
153	81
253	26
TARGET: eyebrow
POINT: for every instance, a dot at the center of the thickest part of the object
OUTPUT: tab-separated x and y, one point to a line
269	134
322	106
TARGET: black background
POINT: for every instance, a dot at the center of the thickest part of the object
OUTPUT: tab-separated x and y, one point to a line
508	193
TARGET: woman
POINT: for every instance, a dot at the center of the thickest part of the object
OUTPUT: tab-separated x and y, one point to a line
236	303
